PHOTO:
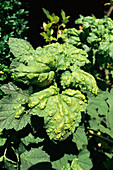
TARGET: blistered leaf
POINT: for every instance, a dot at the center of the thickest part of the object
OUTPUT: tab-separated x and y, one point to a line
61	112
66	55
13	107
30	68
8	121
79	78
71	36
35	73
21	49
32	157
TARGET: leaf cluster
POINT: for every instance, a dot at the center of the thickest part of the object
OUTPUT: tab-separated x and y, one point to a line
54	27
54	116
96	37
13	22
45	104
99	110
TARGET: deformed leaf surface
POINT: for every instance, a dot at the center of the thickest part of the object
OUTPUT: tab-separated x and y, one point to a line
13	107
61	112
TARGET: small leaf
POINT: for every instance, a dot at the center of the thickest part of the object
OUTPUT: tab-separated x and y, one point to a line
107	4
2	141
46	12
32	157
64	18
44	26
56	19
63	14
84	161
11	106
31	139
79	137
58	164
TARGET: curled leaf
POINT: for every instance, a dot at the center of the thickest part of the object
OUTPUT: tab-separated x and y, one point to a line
81	79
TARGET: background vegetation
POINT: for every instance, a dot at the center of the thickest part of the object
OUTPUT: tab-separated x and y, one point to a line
13	23
88	25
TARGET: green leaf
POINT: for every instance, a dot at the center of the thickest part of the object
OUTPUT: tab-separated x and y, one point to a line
66	55
21	49
32	157
8	121
84	160
56	19
58	164
111	50
46	12
75	165
13	113
101	113
10	88
9	164
63	14
2	141
61	112
110	99
35	73
79	78
30	68
31	139
97	105
79	137
109	122
64	18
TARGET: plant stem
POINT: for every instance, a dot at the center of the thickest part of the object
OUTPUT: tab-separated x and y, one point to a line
109	11
102	137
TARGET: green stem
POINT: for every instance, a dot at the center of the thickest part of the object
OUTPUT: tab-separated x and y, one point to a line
102	137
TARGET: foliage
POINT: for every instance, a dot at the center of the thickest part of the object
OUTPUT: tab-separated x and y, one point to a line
100	109
53	116
39	97
13	22
54	28
96	37
110	3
